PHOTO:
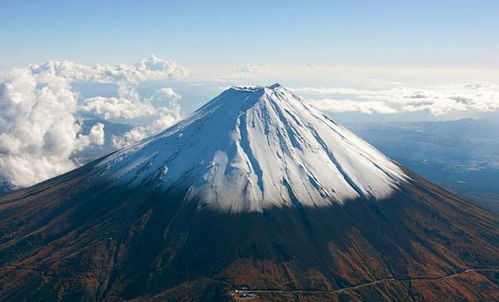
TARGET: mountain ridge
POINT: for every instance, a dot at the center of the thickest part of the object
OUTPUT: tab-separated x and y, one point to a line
265	145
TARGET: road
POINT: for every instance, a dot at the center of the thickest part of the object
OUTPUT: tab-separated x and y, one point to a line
374	282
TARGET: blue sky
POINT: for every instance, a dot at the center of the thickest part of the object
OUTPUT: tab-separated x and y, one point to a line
450	34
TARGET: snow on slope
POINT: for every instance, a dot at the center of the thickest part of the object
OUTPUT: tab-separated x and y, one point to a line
257	147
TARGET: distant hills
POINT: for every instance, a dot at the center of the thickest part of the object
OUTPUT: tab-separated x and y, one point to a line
461	155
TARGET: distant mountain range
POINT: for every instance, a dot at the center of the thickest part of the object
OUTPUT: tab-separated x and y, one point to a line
461	155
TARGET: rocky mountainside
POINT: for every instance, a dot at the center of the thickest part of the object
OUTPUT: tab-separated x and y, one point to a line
257	191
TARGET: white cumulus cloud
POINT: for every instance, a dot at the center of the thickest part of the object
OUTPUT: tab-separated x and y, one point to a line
39	113
38	129
152	68
96	136
167	115
111	107
166	94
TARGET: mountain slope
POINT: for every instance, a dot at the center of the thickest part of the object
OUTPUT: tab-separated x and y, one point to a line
254	189
246	149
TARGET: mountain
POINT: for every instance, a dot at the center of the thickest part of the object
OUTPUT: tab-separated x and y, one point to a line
256	196
256	148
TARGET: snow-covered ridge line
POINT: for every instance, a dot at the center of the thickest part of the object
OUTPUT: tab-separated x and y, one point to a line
253	148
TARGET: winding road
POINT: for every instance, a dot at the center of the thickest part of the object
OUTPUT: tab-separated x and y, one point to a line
335	291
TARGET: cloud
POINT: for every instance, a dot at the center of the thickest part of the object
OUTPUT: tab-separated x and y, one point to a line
167	115
252	68
165	120
151	68
96	135
332	105
39	113
112	108
38	128
129	105
166	94
465	98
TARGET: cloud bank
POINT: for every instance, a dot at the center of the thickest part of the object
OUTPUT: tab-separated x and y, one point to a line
41	114
369	107
442	100
151	68
38	128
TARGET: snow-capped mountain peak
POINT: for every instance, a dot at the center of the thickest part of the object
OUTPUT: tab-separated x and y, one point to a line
252	148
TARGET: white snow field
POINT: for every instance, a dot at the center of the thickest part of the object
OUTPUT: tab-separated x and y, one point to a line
252	148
